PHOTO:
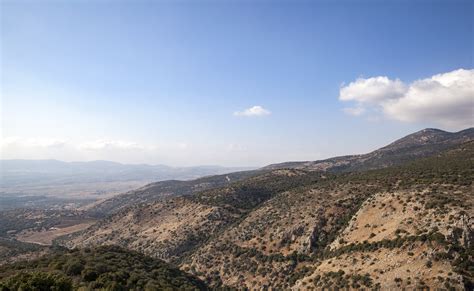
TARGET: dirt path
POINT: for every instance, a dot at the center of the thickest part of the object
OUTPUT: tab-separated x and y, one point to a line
47	237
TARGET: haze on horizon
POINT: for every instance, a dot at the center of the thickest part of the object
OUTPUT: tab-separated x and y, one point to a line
229	83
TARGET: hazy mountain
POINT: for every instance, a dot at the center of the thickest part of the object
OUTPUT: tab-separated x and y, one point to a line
82	179
407	224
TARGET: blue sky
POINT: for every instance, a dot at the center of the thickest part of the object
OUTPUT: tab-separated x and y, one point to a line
164	81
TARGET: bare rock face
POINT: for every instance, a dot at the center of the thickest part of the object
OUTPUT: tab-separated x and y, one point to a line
462	232
311	241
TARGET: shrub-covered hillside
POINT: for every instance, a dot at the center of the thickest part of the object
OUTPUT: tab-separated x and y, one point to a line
408	226
103	268
173	228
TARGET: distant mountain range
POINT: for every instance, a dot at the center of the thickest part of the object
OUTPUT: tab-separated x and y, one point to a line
85	179
98	179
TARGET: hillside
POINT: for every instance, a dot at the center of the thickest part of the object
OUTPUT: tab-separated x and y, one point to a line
420	144
103	268
407	225
401	226
355	229
170	228
13	250
158	190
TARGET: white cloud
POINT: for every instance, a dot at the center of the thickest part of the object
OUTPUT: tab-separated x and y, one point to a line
111	144
372	90
256	110
33	142
63	149
445	99
125	151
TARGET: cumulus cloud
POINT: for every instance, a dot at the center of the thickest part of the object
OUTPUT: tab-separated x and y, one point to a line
372	90
256	110
446	99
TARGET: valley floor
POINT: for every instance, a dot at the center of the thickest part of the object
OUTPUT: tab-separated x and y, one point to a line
46	237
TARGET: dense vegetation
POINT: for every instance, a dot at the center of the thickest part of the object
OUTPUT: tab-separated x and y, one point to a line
107	268
12	248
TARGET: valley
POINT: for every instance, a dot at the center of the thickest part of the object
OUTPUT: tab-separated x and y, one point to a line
52	183
46	237
399	217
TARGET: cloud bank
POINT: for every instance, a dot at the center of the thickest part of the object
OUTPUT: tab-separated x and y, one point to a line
111	144
174	153
256	110
446	99
63	149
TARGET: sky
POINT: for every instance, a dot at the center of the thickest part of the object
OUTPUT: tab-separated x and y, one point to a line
234	83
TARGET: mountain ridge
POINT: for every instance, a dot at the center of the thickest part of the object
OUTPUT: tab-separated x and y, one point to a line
244	234
413	145
374	160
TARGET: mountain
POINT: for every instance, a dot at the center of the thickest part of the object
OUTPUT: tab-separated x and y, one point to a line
406	226
400	217
403	226
92	180
102	268
420	144
417	145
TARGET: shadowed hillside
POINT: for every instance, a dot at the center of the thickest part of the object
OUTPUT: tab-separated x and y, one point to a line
104	268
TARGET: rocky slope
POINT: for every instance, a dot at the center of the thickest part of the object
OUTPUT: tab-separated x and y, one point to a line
408	226
400	226
170	228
